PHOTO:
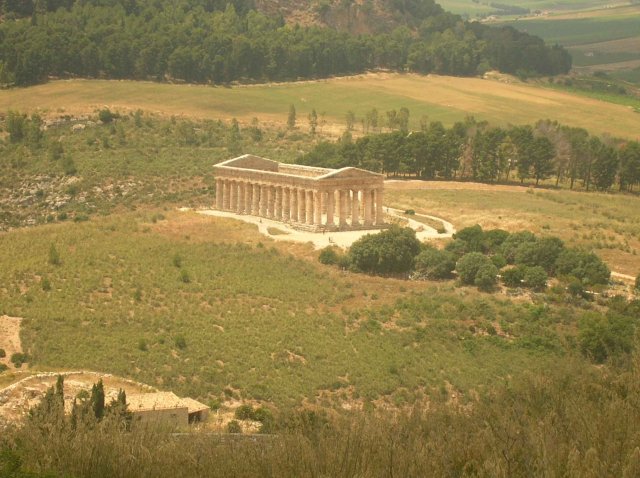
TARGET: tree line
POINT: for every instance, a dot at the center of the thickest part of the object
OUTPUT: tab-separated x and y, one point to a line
218	42
482	152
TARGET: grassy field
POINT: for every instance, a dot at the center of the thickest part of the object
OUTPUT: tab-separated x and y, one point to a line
208	308
444	99
606	37
606	223
472	8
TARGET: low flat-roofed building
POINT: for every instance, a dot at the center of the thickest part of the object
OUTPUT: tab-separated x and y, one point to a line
166	407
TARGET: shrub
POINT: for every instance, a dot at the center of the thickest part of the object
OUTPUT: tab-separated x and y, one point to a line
390	251
535	277
472	236
511	244
543	252
18	359
329	255
184	276
46	285
601	337
513	277
469	265
106	116
177	261
54	256
585	266
244	412
457	247
180	342
493	239
486	277
638	282
432	263
499	261
68	166
234	427
142	345
3	354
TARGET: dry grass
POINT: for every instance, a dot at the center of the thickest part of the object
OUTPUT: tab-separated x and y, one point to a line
606	223
446	99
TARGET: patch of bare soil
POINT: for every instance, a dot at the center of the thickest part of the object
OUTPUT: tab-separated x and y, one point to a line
10	338
18	398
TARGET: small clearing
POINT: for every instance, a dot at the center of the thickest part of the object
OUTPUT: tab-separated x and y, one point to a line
10	338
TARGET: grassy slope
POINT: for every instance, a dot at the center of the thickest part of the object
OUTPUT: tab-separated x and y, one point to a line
440	98
604	222
255	318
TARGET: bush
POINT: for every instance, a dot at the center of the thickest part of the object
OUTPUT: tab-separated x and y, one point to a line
234	427
3	354
493	239
244	412
184	276
638	282
46	285
486	277
18	359
388	252
329	255
432	263
3	367
473	236
68	166
585	266
543	253
54	256
535	278
457	247
513	277
499	261
511	244
106	116
469	265
180	342
601	337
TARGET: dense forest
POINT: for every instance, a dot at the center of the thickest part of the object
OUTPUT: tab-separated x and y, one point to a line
482	152
210	41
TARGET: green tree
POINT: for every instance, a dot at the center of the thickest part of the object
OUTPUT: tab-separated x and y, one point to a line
486	277
54	256
535	277
629	165
585	266
469	265
543	153
605	167
97	400
313	122
291	118
436	264
350	120
389	252
514	276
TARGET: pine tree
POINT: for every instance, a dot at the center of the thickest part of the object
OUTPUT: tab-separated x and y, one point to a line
313	121
97	399
291	119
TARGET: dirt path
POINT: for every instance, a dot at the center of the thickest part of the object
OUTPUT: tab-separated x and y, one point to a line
10	338
279	231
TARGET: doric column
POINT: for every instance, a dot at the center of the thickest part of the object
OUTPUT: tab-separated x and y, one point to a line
366	199
342	215
278	205
317	207
309	207
263	200
219	193
379	211
330	207
355	209
302	210
233	196
286	204
225	194
240	205
255	200
271	199
248	198
293	204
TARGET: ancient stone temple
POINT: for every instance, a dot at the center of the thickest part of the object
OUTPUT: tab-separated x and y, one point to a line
306	197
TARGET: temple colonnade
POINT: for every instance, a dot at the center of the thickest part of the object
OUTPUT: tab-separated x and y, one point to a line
331	208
